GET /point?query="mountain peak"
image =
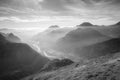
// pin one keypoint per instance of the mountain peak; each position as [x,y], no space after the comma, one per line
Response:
[13,38]
[54,26]
[86,24]
[11,34]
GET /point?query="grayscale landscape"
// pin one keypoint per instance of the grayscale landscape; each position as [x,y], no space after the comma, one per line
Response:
[59,40]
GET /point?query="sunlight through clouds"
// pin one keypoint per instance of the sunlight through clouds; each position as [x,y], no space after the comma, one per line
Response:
[67,11]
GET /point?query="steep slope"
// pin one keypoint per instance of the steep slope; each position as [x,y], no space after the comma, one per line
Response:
[47,38]
[100,49]
[117,24]
[52,33]
[83,34]
[18,60]
[112,30]
[79,38]
[11,37]
[56,64]
[107,70]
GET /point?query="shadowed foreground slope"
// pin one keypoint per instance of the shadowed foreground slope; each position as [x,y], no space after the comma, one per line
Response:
[56,64]
[108,69]
[18,60]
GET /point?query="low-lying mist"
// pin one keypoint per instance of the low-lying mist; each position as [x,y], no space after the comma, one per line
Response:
[78,42]
[82,41]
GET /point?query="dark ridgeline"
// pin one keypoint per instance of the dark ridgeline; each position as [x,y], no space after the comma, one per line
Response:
[56,64]
[79,39]
[54,26]
[90,42]
[86,24]
[117,24]
[18,60]
[108,47]
[93,48]
[11,37]
[99,60]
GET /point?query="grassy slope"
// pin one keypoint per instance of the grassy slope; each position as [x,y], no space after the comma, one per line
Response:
[104,68]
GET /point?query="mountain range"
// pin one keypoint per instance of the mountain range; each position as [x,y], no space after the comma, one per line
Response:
[18,59]
[11,37]
[85,52]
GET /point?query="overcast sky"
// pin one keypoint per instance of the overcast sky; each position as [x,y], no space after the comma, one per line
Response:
[43,13]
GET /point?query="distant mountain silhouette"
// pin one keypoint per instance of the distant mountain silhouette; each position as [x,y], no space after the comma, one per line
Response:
[86,24]
[48,37]
[56,64]
[83,34]
[108,47]
[11,37]
[7,30]
[112,30]
[53,32]
[79,38]
[54,26]
[18,60]
[88,43]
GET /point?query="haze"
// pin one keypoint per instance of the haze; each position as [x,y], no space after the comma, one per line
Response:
[29,18]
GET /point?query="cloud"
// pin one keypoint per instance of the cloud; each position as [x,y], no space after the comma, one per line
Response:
[19,4]
[82,9]
[81,6]
[19,7]
[38,18]
[56,5]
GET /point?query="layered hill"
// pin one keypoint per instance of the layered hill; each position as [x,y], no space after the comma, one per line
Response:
[108,47]
[111,30]
[18,60]
[78,39]
[96,50]
[11,37]
[47,38]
